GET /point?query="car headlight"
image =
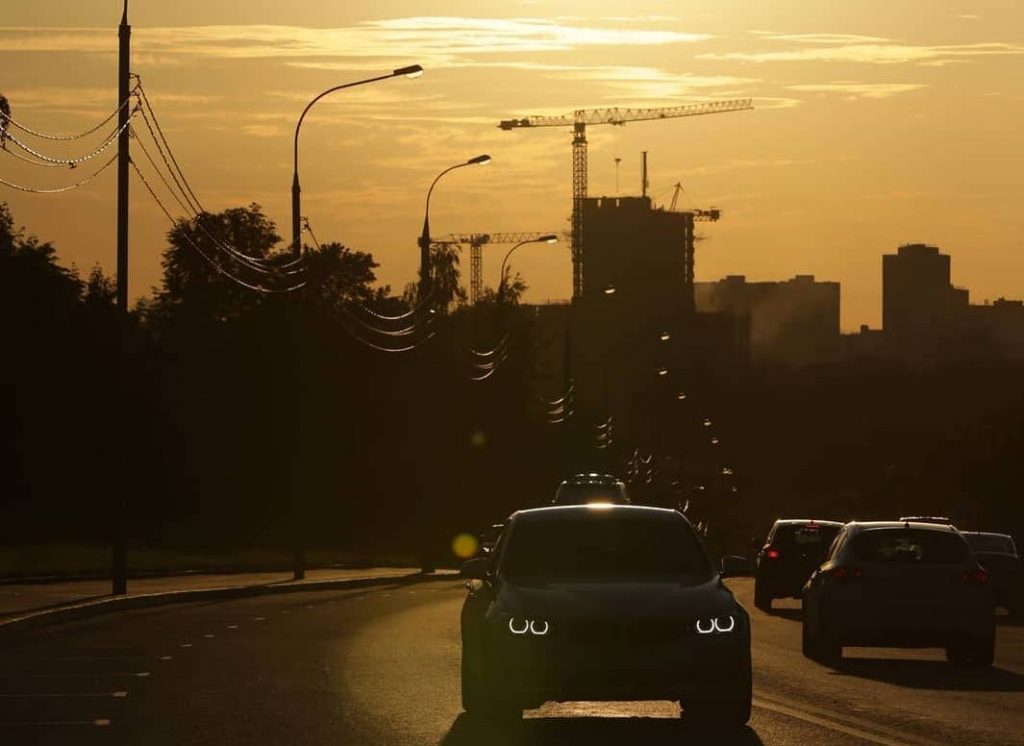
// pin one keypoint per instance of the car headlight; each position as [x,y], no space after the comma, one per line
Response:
[718,625]
[522,626]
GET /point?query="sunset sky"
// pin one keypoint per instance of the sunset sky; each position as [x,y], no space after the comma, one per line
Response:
[877,122]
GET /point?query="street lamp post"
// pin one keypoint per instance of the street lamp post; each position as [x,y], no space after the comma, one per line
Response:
[411,71]
[299,463]
[550,238]
[424,240]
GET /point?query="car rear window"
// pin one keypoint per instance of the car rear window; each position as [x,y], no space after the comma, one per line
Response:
[603,546]
[991,543]
[582,493]
[811,535]
[914,546]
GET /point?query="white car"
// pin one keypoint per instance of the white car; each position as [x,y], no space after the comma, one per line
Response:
[893,584]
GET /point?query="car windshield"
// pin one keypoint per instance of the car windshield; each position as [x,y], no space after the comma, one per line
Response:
[991,543]
[914,546]
[604,546]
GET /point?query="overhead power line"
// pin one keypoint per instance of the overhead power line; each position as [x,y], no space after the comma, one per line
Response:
[59,190]
[10,121]
[74,161]
[210,260]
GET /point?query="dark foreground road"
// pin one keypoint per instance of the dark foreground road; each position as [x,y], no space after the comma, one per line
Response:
[380,666]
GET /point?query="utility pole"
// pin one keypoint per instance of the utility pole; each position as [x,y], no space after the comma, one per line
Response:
[119,569]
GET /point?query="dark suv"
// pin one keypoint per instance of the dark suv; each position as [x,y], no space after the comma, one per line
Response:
[793,550]
[604,602]
[587,488]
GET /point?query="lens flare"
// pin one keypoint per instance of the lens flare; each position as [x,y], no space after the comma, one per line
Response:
[465,546]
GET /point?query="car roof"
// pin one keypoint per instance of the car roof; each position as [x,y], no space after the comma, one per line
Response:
[921,525]
[802,521]
[986,533]
[620,509]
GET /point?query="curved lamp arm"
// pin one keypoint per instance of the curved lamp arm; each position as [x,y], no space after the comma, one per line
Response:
[411,71]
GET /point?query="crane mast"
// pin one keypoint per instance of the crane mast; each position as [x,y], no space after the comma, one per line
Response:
[579,120]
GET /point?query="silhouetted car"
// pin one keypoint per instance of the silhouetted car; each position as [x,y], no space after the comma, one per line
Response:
[997,553]
[586,488]
[890,584]
[490,537]
[604,602]
[793,550]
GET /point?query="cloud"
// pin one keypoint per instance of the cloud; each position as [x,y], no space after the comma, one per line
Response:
[433,40]
[876,53]
[830,39]
[856,90]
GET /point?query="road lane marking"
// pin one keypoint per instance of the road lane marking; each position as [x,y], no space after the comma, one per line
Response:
[166,657]
[209,636]
[232,626]
[186,644]
[99,722]
[79,675]
[68,695]
[844,724]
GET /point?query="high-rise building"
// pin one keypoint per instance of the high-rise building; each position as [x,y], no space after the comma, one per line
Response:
[636,337]
[918,301]
[795,322]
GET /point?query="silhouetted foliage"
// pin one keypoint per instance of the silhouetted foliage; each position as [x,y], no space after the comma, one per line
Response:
[200,404]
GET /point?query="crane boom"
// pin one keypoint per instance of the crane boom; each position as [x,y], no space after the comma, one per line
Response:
[476,242]
[620,116]
[579,120]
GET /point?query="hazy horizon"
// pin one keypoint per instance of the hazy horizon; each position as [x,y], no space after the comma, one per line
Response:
[875,125]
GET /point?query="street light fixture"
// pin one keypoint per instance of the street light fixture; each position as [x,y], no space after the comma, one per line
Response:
[549,238]
[299,552]
[680,396]
[424,241]
[410,71]
[608,290]
[665,337]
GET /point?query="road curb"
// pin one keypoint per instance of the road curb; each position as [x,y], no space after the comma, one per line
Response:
[89,609]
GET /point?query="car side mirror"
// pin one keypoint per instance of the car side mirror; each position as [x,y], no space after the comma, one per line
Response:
[733,566]
[476,568]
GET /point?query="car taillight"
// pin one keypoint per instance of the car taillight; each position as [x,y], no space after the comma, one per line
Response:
[843,574]
[772,554]
[975,577]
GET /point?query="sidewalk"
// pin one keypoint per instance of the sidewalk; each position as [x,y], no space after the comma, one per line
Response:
[21,599]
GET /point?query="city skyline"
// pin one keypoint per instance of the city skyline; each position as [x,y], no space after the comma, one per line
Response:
[884,127]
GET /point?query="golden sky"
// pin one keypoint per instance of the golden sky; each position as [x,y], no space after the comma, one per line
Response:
[878,122]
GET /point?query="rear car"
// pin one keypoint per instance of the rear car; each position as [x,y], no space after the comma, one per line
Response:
[997,553]
[586,488]
[603,602]
[891,584]
[793,550]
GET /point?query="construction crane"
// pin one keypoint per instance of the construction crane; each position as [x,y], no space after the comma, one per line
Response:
[476,243]
[690,238]
[579,120]
[699,216]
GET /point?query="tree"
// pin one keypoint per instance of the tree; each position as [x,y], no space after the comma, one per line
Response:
[446,290]
[336,274]
[199,257]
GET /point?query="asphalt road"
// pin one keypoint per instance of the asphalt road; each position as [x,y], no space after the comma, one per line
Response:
[380,666]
